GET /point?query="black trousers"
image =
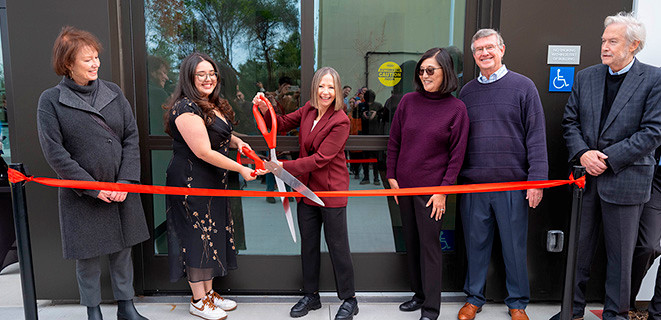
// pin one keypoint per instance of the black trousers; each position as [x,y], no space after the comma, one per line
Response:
[424,255]
[366,166]
[355,167]
[334,220]
[620,228]
[648,248]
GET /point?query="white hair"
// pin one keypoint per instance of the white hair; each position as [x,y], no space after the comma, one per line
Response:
[635,29]
[483,33]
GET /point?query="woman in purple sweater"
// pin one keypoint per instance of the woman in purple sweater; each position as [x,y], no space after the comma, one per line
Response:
[426,148]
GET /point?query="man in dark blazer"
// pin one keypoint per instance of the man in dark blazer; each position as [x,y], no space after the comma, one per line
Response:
[612,125]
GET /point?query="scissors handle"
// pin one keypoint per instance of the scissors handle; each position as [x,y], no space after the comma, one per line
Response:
[270,137]
[259,163]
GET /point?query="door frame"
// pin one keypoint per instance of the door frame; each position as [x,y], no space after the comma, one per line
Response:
[257,273]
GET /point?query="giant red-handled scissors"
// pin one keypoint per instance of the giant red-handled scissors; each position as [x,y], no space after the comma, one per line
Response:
[281,175]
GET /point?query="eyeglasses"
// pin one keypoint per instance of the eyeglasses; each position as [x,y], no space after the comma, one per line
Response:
[430,71]
[203,76]
[489,48]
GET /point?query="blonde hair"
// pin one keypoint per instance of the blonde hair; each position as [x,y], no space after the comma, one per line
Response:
[337,86]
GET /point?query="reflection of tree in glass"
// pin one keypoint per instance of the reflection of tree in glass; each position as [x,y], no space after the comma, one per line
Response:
[163,19]
[222,21]
[265,30]
[264,20]
[287,58]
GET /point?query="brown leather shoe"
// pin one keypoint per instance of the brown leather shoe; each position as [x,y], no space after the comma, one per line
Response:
[468,311]
[518,314]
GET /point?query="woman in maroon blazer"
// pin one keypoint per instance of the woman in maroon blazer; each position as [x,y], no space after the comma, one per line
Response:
[324,129]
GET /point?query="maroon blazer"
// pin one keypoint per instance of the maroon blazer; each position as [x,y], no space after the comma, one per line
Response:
[321,164]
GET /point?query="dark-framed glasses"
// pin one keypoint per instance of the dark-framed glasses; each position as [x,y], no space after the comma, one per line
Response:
[489,48]
[429,70]
[203,75]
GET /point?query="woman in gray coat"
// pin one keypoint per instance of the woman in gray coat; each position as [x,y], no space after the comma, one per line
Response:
[87,132]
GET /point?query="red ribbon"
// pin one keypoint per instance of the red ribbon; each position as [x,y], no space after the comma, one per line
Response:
[580,182]
[16,176]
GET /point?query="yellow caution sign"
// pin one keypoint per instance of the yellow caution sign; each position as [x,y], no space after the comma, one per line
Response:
[390,74]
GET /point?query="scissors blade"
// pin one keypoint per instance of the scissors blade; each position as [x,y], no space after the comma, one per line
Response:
[289,179]
[285,205]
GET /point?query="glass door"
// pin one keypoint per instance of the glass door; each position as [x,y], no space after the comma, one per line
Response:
[270,46]
[374,45]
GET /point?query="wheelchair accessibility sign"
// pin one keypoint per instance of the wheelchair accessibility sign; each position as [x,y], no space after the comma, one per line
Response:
[561,79]
[447,240]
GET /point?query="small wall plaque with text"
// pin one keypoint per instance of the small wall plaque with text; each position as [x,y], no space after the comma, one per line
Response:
[563,54]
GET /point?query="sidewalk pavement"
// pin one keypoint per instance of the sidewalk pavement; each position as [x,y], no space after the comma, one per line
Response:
[373,306]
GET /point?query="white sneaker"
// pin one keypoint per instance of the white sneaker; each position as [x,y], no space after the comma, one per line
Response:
[220,302]
[205,309]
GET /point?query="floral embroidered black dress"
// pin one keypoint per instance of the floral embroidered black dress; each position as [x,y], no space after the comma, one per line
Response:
[200,231]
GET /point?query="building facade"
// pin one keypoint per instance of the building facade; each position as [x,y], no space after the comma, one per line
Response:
[366,41]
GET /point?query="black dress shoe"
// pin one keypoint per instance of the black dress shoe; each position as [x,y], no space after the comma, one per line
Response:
[347,310]
[307,303]
[126,311]
[557,317]
[94,313]
[411,305]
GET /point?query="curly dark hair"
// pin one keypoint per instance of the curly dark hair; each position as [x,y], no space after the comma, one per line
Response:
[186,89]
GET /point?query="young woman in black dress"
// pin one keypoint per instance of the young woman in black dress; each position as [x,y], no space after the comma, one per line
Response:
[200,230]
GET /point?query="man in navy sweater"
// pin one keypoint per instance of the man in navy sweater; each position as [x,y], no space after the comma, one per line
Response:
[506,142]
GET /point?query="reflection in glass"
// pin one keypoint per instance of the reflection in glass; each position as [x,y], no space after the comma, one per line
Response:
[4,124]
[159,90]
[159,164]
[258,47]
[256,43]
[375,52]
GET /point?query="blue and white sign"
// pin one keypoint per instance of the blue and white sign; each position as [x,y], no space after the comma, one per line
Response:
[447,240]
[561,79]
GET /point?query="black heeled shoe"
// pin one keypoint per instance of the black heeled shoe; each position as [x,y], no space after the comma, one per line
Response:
[94,313]
[126,311]
[307,303]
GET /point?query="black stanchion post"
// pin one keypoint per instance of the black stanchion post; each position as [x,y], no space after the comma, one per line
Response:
[572,247]
[23,243]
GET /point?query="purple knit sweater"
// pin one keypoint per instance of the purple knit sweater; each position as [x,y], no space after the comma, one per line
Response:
[427,140]
[507,140]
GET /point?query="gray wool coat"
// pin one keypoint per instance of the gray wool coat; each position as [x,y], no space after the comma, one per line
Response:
[79,148]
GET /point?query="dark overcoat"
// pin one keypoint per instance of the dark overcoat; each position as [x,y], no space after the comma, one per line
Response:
[79,148]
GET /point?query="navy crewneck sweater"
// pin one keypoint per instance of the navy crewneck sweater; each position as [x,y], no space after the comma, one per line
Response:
[427,141]
[507,139]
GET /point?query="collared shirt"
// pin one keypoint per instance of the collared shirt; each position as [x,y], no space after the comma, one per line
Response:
[624,70]
[501,72]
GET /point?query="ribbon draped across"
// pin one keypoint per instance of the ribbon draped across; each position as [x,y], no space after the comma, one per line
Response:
[16,177]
